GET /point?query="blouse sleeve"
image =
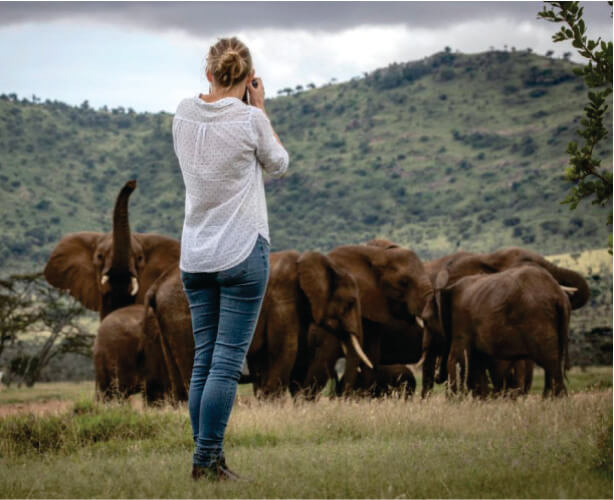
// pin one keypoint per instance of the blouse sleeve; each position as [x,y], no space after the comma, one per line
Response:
[270,153]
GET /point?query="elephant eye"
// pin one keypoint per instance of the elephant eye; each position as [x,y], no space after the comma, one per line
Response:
[99,256]
[140,258]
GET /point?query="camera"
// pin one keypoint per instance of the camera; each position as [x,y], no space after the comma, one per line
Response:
[246,95]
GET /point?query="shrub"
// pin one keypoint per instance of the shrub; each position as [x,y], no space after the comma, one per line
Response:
[537,93]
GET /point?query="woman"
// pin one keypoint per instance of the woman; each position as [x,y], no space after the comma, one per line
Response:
[223,145]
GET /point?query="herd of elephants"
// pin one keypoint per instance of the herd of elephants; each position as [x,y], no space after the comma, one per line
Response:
[478,321]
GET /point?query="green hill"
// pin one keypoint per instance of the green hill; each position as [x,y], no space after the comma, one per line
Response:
[453,150]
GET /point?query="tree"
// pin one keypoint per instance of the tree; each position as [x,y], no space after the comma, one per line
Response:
[58,314]
[584,169]
[16,314]
[29,302]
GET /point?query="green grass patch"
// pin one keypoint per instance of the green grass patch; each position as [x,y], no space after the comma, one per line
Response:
[331,448]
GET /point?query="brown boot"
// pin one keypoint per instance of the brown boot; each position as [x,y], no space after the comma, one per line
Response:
[217,471]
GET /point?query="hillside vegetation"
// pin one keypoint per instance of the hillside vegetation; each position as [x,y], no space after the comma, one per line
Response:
[451,151]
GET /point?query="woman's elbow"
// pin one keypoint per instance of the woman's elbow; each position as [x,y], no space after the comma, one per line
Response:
[279,167]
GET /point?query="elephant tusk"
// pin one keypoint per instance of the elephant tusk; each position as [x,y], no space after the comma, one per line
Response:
[420,321]
[569,289]
[135,286]
[104,279]
[360,352]
[421,360]
[344,349]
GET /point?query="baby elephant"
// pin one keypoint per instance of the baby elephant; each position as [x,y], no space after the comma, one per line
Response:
[521,313]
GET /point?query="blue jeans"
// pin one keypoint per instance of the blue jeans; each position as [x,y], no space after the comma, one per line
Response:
[224,306]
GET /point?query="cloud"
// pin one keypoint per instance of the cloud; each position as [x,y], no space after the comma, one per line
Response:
[148,56]
[206,19]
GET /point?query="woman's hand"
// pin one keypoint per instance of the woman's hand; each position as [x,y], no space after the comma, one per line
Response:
[256,93]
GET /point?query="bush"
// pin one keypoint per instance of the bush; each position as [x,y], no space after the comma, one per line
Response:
[537,93]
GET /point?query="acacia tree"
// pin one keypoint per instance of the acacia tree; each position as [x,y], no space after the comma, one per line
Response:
[28,303]
[16,312]
[585,170]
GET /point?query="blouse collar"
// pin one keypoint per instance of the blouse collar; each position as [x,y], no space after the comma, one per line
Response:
[220,103]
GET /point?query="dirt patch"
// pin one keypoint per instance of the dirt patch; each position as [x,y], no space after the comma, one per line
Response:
[38,408]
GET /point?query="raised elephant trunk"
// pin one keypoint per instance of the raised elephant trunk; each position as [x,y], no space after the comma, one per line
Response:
[571,279]
[121,230]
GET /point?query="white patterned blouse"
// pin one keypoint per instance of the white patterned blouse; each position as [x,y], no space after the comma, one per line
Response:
[222,148]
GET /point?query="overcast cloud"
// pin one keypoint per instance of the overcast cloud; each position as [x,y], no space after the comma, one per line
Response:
[209,18]
[147,55]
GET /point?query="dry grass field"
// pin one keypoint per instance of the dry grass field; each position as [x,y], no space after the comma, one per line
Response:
[586,262]
[437,448]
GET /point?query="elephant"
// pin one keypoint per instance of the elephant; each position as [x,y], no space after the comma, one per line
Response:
[386,379]
[307,296]
[106,271]
[125,361]
[463,264]
[518,313]
[394,289]
[167,318]
[115,354]
[110,273]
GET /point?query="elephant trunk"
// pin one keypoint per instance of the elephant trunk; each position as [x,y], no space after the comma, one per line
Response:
[569,278]
[121,230]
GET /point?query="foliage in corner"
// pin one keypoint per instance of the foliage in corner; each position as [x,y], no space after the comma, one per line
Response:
[585,167]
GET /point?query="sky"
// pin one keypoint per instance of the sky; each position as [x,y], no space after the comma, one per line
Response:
[149,55]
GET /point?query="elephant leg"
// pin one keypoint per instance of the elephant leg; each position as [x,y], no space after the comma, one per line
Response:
[458,361]
[547,383]
[321,366]
[528,376]
[559,383]
[428,373]
[497,375]
[478,379]
[282,334]
[373,349]
[554,383]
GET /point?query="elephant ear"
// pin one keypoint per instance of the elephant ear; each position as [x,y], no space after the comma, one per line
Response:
[159,253]
[71,267]
[314,276]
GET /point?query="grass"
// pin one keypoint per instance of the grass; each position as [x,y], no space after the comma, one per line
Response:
[48,391]
[438,448]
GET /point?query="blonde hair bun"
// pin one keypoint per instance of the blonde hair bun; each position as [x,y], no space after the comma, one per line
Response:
[229,61]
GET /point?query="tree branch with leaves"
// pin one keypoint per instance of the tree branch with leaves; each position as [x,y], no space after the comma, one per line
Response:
[591,178]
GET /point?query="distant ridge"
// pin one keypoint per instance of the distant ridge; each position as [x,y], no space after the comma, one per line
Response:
[454,150]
